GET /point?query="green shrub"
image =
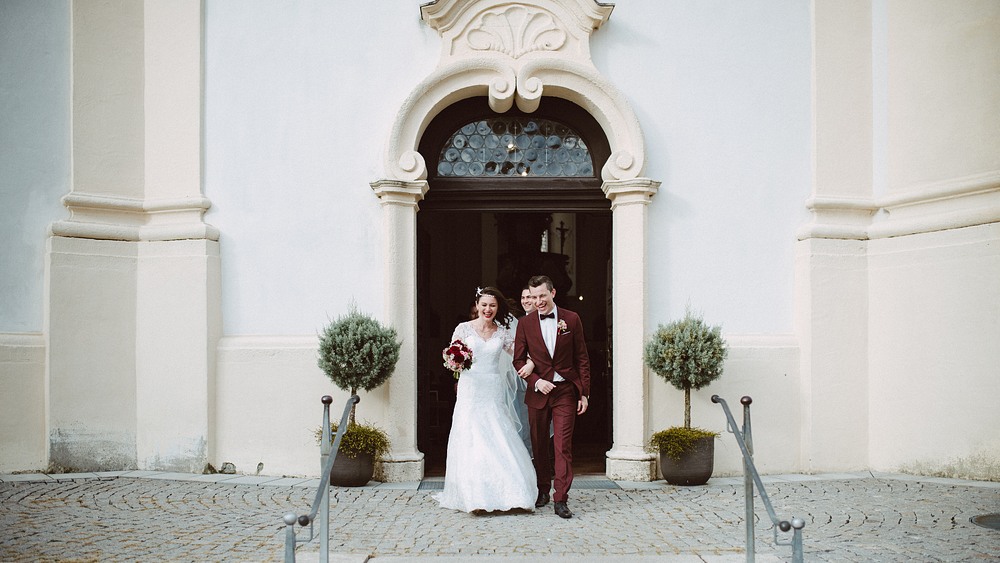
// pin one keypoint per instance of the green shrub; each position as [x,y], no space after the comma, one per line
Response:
[677,440]
[357,352]
[359,438]
[687,354]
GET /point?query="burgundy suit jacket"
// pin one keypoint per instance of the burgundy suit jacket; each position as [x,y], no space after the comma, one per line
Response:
[570,358]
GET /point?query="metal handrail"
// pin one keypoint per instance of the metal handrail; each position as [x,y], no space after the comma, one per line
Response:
[328,455]
[752,477]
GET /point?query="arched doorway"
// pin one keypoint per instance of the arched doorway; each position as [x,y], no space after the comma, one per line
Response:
[512,195]
[487,53]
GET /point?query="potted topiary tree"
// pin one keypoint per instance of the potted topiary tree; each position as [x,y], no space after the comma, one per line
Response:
[687,354]
[357,352]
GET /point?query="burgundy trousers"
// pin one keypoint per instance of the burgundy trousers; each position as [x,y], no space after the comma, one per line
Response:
[561,411]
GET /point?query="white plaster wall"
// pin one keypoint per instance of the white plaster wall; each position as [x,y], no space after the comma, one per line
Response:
[935,348]
[832,303]
[109,133]
[22,402]
[34,174]
[766,368]
[177,325]
[298,107]
[269,389]
[91,354]
[722,92]
[268,406]
[34,150]
[295,125]
[944,111]
[934,298]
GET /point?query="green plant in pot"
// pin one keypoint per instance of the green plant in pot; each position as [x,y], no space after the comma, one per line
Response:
[360,446]
[687,354]
[358,353]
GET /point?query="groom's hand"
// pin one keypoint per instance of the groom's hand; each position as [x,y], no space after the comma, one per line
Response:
[544,387]
[581,405]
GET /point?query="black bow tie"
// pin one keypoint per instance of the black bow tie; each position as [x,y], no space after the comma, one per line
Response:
[549,316]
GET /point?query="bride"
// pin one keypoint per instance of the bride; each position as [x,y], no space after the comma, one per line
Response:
[488,467]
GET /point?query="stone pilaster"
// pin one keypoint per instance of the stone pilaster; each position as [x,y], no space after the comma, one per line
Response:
[133,284]
[831,255]
[399,235]
[628,459]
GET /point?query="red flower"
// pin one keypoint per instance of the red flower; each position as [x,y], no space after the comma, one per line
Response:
[457,357]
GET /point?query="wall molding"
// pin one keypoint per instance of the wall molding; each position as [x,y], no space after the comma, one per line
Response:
[132,219]
[250,347]
[761,340]
[938,206]
[954,203]
[838,217]
[22,347]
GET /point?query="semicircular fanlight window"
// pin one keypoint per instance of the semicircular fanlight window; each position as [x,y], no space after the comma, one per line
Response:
[515,146]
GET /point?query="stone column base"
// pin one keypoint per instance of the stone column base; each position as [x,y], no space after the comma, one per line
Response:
[400,470]
[631,469]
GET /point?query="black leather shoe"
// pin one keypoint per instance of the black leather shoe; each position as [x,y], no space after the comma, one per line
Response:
[542,500]
[562,510]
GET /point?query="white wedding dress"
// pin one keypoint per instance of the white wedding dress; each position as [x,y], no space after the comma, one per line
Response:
[488,467]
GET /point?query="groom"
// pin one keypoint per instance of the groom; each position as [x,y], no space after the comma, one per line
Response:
[558,389]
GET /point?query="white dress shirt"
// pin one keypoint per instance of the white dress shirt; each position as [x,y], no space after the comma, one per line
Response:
[549,327]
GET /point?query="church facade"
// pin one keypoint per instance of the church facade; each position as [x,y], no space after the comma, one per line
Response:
[192,189]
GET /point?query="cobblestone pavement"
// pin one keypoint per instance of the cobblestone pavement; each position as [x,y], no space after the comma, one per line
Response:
[146,516]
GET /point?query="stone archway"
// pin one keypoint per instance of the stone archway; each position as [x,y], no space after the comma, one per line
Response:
[512,53]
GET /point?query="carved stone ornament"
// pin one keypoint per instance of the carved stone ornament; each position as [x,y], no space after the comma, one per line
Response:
[515,31]
[516,52]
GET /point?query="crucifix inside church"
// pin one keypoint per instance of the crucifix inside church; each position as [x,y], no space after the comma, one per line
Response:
[562,236]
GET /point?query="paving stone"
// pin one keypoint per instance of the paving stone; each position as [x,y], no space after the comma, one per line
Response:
[128,516]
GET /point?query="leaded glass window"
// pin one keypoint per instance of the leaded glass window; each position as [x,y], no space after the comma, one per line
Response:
[515,146]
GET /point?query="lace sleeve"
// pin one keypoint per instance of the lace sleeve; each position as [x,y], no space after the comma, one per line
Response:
[462,332]
[508,336]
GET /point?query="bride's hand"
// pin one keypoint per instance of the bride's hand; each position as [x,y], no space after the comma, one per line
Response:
[526,370]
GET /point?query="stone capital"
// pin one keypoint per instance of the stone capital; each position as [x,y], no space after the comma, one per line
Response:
[635,190]
[399,192]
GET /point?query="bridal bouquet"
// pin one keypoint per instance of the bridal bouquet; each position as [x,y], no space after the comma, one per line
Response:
[457,357]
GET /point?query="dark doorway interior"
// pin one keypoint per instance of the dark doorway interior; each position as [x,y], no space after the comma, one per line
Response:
[461,250]
[511,196]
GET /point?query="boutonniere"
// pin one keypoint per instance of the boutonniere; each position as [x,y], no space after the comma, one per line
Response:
[563,329]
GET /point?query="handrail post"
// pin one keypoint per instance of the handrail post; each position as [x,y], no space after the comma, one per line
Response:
[748,465]
[797,525]
[328,452]
[748,481]
[324,503]
[290,520]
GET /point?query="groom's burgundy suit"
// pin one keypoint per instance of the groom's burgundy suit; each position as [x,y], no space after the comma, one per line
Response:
[570,360]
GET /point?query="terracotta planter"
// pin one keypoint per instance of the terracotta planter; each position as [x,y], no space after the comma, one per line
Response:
[352,471]
[694,467]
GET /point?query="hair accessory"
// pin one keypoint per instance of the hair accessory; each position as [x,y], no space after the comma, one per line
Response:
[479,292]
